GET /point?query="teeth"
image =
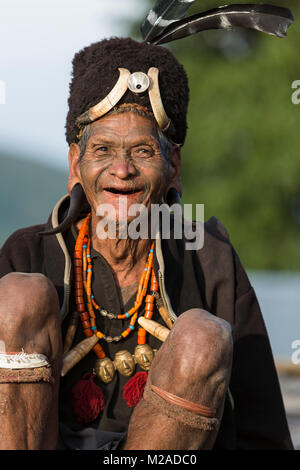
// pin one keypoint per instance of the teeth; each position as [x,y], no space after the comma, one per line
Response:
[120,191]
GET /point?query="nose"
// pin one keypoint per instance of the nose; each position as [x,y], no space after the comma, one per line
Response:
[123,168]
[145,359]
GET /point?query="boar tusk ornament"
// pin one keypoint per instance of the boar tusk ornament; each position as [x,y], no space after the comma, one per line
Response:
[137,82]
[156,329]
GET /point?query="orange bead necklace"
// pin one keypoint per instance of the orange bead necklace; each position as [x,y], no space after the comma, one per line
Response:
[83,271]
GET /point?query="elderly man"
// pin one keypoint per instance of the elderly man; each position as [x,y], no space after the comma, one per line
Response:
[79,369]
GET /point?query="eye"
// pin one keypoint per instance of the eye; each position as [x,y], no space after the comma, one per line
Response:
[102,148]
[142,151]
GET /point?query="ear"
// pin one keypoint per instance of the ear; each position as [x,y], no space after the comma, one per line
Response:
[74,172]
[174,180]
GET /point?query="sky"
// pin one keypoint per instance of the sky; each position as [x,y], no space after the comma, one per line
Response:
[38,40]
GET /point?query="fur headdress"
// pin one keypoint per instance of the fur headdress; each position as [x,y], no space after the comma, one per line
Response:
[95,72]
[96,68]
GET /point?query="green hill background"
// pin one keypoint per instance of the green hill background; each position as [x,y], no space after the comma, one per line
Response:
[28,192]
[241,158]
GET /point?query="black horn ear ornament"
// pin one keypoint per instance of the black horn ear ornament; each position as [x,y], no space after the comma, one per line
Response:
[172,197]
[77,203]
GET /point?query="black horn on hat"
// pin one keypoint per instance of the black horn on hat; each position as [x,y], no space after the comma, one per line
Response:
[96,68]
[165,22]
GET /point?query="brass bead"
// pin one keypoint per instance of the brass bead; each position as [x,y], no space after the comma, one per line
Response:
[144,355]
[124,363]
[117,338]
[105,369]
[108,339]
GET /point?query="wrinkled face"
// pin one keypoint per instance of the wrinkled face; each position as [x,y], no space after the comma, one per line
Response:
[123,164]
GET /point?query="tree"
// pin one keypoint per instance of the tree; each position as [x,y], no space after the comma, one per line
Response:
[241,157]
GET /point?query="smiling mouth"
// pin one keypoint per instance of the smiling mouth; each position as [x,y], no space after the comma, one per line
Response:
[123,192]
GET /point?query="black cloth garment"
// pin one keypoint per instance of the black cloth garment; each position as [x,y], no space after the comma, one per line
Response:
[116,413]
[212,278]
[88,439]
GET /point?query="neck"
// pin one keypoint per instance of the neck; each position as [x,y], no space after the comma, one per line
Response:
[126,257]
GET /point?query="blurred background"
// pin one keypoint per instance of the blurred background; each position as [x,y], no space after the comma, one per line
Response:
[241,157]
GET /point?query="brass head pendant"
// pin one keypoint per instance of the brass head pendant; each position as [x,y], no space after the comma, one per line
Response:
[124,362]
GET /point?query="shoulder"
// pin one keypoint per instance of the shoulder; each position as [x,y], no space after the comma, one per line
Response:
[215,240]
[24,236]
[219,258]
[214,229]
[21,249]
[30,236]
